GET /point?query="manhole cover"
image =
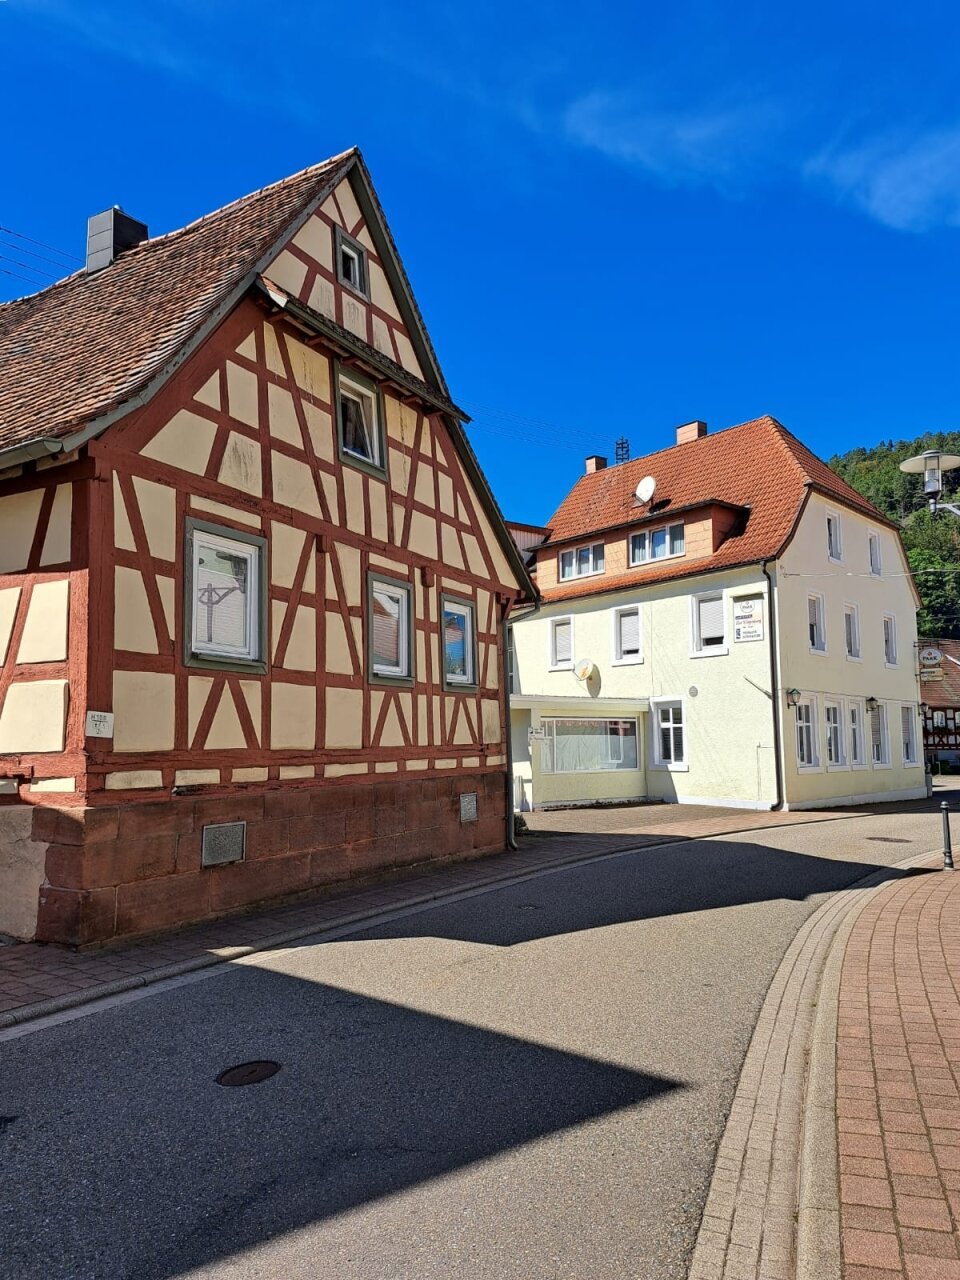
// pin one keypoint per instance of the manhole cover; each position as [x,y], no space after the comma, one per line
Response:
[247,1073]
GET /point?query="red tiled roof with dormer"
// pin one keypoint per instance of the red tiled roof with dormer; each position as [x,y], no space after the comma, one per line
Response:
[758,466]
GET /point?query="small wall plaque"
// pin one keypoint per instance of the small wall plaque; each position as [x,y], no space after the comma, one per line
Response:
[99,724]
[468,806]
[223,842]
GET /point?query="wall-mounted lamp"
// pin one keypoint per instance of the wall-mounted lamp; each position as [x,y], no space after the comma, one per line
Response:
[872,705]
[793,697]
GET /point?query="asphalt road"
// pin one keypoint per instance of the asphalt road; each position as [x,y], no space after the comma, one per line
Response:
[526,1083]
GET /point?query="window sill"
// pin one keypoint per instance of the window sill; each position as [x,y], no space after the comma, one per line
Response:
[809,768]
[563,666]
[626,662]
[456,686]
[837,768]
[575,577]
[861,765]
[835,559]
[714,651]
[671,768]
[821,653]
[911,764]
[645,564]
[891,666]
[404,682]
[211,662]
[362,464]
[854,657]
[886,765]
[570,773]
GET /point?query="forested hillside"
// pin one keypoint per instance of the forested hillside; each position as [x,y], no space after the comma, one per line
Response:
[932,542]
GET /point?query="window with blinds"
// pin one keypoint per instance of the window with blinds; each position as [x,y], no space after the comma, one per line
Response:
[626,634]
[908,725]
[708,623]
[669,739]
[878,735]
[807,753]
[818,635]
[561,642]
[851,629]
[855,711]
[835,752]
[890,640]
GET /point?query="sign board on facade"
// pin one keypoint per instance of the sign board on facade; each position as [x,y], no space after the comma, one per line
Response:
[748,618]
[932,673]
[536,735]
[930,657]
[468,806]
[99,724]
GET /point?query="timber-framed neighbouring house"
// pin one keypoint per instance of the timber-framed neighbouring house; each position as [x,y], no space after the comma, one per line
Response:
[253,583]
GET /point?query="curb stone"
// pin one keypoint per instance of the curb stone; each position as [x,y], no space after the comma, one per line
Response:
[772,1211]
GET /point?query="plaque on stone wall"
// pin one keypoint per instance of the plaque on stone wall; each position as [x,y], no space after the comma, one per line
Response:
[468,806]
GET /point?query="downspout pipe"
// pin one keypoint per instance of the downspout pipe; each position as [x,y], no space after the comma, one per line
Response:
[774,689]
[508,723]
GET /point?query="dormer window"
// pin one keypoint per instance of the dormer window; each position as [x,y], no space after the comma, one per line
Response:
[656,544]
[351,263]
[582,562]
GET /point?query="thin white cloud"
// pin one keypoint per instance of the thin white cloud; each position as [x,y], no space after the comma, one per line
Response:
[908,182]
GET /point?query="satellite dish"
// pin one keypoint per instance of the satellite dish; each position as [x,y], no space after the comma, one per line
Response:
[584,669]
[646,488]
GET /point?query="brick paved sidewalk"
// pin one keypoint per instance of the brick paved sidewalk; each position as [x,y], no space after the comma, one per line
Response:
[898,1067]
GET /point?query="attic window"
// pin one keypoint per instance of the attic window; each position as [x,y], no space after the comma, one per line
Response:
[351,263]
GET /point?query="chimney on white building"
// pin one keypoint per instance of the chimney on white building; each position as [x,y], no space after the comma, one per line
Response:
[595,463]
[691,431]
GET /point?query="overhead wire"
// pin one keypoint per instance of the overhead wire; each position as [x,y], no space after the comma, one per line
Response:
[40,243]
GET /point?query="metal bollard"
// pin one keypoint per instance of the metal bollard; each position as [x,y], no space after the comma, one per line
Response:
[947,845]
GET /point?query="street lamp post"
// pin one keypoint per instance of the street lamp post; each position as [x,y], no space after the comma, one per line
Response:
[931,465]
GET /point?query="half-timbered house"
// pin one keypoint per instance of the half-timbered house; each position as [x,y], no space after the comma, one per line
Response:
[253,583]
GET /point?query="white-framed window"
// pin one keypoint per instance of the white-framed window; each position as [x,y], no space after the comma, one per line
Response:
[390,629]
[876,563]
[627,646]
[225,595]
[352,263]
[360,430]
[889,639]
[581,562]
[808,746]
[879,737]
[851,630]
[579,745]
[669,743]
[561,642]
[459,643]
[908,730]
[656,544]
[815,623]
[858,755]
[833,722]
[834,543]
[709,625]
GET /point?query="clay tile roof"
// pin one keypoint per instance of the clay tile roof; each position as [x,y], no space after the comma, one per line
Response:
[89,343]
[945,692]
[757,465]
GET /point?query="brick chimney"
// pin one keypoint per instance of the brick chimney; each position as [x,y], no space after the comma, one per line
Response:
[691,431]
[595,463]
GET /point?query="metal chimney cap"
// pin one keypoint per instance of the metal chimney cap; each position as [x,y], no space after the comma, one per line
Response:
[109,233]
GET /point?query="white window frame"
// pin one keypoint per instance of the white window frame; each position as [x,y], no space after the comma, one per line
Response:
[889,617]
[834,535]
[361,391]
[697,648]
[855,707]
[619,659]
[576,571]
[876,569]
[644,538]
[835,735]
[548,722]
[468,612]
[852,610]
[656,755]
[552,662]
[808,703]
[884,721]
[821,622]
[252,552]
[913,761]
[403,593]
[354,250]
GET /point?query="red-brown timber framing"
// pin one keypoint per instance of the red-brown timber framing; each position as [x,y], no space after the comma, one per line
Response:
[335,773]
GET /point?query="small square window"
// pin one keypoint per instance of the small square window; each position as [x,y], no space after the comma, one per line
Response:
[359,426]
[626,635]
[224,596]
[561,642]
[709,624]
[391,629]
[351,263]
[459,643]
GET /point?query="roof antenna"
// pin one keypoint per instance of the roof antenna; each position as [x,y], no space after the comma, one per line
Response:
[623,449]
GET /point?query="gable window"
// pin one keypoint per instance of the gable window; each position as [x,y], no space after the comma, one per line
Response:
[359,422]
[225,597]
[857,753]
[833,716]
[656,544]
[851,630]
[817,631]
[890,640]
[708,624]
[808,752]
[876,565]
[834,545]
[626,635]
[588,746]
[561,642]
[879,742]
[669,745]
[908,726]
[459,643]
[351,263]
[581,562]
[390,623]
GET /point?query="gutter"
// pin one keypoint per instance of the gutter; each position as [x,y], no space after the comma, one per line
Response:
[774,689]
[508,724]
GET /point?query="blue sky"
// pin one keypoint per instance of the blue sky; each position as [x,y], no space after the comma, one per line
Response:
[616,217]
